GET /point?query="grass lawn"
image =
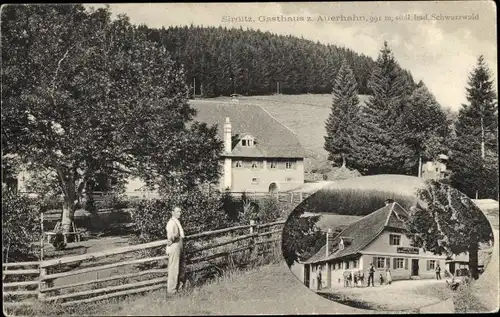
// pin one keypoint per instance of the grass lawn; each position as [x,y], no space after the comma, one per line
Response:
[334,221]
[399,184]
[270,289]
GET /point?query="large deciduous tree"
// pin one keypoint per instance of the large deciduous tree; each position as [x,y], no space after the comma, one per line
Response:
[83,92]
[446,221]
[474,160]
[343,119]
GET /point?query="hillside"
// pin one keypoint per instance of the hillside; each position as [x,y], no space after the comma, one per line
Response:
[222,61]
[303,114]
[271,289]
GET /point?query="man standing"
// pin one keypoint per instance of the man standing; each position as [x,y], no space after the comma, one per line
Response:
[371,274]
[438,272]
[175,235]
[319,280]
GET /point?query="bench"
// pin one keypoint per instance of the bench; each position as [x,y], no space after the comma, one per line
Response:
[52,233]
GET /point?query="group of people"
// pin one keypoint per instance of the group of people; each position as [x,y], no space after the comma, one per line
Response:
[383,280]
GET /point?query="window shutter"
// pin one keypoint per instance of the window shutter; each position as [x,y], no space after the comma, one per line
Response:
[438,263]
[375,262]
[394,263]
[388,262]
[406,264]
[428,265]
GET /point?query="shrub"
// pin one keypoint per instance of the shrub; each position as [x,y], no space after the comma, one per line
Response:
[112,201]
[232,207]
[269,209]
[200,212]
[20,227]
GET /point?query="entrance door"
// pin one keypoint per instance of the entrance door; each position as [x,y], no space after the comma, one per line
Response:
[273,188]
[452,267]
[307,274]
[414,267]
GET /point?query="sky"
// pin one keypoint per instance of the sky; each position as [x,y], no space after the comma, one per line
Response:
[440,52]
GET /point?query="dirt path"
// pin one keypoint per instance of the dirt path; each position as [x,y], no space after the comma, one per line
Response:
[399,296]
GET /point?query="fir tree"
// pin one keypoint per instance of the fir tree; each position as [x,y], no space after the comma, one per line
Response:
[423,126]
[475,149]
[344,116]
[379,148]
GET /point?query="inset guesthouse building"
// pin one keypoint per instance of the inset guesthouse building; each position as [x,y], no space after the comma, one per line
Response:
[377,238]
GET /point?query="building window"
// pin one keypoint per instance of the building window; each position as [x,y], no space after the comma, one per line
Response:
[431,264]
[355,264]
[288,165]
[255,180]
[400,262]
[394,239]
[255,164]
[380,262]
[238,164]
[347,265]
[273,164]
[248,142]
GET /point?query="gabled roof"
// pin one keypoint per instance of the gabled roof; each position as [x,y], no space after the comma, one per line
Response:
[272,138]
[363,231]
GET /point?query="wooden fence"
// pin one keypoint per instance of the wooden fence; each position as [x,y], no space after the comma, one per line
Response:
[20,283]
[138,268]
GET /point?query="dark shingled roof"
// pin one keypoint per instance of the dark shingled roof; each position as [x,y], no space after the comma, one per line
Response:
[362,232]
[272,139]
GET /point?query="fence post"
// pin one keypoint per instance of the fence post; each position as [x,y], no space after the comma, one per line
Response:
[252,242]
[42,237]
[42,284]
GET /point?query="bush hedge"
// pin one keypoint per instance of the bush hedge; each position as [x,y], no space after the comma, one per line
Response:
[20,227]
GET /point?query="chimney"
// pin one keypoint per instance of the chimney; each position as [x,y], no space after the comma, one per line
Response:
[388,201]
[227,136]
[328,234]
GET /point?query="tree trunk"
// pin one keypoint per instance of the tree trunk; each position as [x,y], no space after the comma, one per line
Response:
[482,138]
[473,261]
[343,160]
[419,165]
[68,214]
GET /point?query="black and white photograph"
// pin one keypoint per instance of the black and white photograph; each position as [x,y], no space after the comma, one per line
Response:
[366,243]
[249,158]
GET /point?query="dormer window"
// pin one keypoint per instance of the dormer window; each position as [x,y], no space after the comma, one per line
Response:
[247,141]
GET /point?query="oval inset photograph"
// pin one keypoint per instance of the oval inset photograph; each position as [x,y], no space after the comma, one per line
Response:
[391,243]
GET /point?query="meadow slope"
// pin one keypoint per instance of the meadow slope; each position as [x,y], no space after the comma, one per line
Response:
[303,114]
[271,289]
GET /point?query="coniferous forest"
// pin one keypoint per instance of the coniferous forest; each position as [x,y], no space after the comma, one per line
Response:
[221,61]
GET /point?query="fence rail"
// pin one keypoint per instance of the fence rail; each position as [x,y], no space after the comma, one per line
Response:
[222,243]
[14,290]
